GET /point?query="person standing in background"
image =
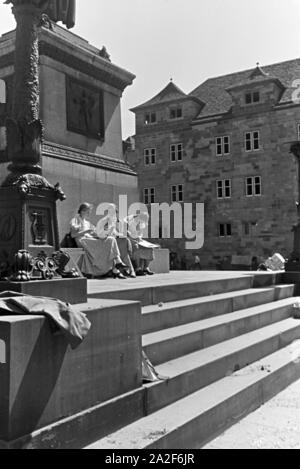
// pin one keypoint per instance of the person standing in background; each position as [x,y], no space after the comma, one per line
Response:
[197,263]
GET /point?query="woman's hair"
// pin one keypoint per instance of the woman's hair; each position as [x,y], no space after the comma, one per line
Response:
[143,216]
[85,207]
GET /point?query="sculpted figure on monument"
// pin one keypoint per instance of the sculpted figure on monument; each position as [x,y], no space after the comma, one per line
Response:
[62,10]
[57,10]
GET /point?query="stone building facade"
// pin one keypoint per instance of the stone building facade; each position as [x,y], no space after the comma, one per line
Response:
[226,144]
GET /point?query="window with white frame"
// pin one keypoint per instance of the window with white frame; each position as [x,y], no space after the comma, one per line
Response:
[176,152]
[150,118]
[177,193]
[225,230]
[252,141]
[224,189]
[150,156]
[223,145]
[253,186]
[176,113]
[149,195]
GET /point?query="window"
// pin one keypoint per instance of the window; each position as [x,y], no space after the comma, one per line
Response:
[176,113]
[3,112]
[252,98]
[252,141]
[3,141]
[256,97]
[249,228]
[248,98]
[149,196]
[225,230]
[253,186]
[176,152]
[2,93]
[149,156]
[177,193]
[224,189]
[223,145]
[150,118]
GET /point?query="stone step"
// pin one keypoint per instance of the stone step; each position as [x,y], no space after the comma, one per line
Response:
[157,289]
[172,314]
[192,372]
[186,375]
[196,419]
[169,344]
[264,279]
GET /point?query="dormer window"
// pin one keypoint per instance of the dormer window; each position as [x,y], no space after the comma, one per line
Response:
[150,118]
[252,98]
[176,113]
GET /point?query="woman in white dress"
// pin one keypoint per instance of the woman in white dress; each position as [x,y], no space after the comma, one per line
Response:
[111,225]
[143,252]
[102,255]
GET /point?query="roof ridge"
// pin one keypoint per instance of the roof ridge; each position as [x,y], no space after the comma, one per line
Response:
[170,89]
[242,71]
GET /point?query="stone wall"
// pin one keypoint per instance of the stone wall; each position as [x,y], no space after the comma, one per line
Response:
[273,214]
[82,183]
[54,112]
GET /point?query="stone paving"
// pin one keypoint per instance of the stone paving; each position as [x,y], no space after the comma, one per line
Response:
[276,425]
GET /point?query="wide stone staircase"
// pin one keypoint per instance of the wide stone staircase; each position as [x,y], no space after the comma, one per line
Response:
[223,349]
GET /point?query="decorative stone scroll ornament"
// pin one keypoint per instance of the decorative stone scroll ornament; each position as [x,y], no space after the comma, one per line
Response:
[26,183]
[42,267]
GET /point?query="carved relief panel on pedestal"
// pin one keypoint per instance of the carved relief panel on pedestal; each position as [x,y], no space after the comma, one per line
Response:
[85,110]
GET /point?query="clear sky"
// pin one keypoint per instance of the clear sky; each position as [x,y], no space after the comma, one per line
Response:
[188,40]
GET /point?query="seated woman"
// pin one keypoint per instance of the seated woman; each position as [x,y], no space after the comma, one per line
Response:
[143,252]
[110,226]
[102,256]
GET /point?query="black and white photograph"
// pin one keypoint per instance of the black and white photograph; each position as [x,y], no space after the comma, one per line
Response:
[149,227]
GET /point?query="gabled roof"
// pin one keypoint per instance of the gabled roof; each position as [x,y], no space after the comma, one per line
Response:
[170,93]
[258,72]
[257,76]
[218,100]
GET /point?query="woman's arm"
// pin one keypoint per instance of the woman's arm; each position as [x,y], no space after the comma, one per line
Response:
[76,230]
[106,227]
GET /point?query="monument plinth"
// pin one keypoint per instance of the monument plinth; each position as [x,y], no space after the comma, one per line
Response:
[29,238]
[80,107]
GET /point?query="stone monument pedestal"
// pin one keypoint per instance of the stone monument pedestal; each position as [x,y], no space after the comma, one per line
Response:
[28,221]
[70,290]
[44,383]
